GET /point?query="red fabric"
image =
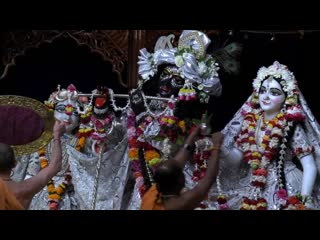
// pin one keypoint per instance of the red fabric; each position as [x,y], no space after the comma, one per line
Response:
[19,125]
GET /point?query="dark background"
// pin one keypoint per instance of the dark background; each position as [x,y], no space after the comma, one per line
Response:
[38,72]
[301,55]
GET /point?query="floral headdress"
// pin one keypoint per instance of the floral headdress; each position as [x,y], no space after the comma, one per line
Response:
[191,59]
[273,145]
[288,83]
[279,71]
[70,94]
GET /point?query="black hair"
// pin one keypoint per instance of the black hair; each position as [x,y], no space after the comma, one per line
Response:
[168,177]
[279,80]
[285,140]
[7,158]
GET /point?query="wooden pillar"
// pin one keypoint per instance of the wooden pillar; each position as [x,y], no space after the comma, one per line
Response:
[136,42]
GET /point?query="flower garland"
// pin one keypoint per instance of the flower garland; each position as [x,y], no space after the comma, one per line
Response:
[55,193]
[133,153]
[152,156]
[272,143]
[259,157]
[200,157]
[170,126]
[99,132]
[85,130]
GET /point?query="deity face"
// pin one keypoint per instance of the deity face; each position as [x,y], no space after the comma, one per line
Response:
[170,82]
[67,112]
[271,96]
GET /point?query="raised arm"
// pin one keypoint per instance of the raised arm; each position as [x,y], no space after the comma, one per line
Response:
[185,152]
[31,186]
[189,200]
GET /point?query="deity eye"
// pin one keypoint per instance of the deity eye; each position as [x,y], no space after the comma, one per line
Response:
[167,71]
[165,75]
[263,90]
[179,80]
[60,108]
[75,112]
[275,92]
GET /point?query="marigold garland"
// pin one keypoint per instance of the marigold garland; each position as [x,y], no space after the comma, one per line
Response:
[55,193]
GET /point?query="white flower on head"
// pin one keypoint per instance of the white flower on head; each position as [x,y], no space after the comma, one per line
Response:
[276,70]
[202,68]
[179,61]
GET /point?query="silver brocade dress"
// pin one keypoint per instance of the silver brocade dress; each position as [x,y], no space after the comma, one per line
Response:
[110,181]
[235,182]
[30,166]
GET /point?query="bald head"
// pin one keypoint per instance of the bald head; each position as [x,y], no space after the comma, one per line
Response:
[7,159]
[169,177]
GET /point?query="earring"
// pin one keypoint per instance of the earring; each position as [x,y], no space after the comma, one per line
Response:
[12,173]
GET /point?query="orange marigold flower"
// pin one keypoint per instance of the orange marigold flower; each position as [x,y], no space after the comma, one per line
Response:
[133,153]
[42,152]
[60,190]
[51,188]
[54,196]
[151,154]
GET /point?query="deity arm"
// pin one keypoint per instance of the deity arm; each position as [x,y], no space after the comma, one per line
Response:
[309,174]
[232,157]
[304,152]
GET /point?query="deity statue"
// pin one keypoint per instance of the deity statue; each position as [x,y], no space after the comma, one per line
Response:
[270,155]
[186,76]
[100,172]
[59,193]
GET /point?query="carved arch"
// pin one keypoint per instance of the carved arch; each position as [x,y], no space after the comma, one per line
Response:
[110,44]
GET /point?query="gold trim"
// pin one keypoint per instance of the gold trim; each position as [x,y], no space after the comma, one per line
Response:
[183,43]
[42,111]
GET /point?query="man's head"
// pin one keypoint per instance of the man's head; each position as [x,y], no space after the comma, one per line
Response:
[169,178]
[7,158]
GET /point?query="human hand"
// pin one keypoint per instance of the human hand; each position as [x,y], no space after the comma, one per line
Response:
[194,135]
[58,129]
[217,139]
